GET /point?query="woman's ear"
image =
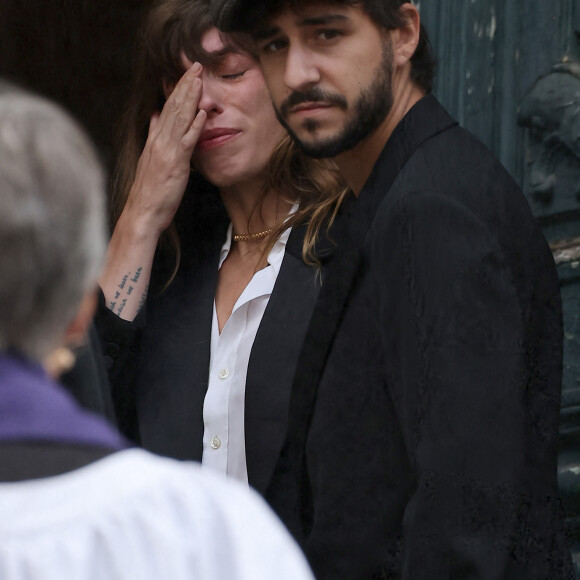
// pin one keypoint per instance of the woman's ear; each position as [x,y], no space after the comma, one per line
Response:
[406,38]
[62,358]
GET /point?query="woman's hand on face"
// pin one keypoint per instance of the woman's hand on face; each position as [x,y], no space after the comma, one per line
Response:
[160,181]
[164,166]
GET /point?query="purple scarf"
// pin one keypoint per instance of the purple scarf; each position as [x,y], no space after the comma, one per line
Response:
[35,408]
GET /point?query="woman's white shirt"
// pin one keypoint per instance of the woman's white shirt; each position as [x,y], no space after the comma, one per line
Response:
[224,443]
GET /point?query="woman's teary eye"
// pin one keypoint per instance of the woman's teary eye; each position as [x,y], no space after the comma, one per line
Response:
[233,76]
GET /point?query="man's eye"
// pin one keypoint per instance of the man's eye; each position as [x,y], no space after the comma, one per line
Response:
[274,46]
[232,76]
[328,34]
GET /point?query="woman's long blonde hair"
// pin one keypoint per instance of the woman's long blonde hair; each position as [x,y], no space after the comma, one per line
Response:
[173,27]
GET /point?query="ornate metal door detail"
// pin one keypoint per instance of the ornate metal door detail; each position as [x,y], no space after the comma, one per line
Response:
[551,112]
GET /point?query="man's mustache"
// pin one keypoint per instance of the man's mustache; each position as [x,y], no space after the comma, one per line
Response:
[314,95]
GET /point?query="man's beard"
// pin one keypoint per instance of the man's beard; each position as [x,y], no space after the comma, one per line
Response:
[370,110]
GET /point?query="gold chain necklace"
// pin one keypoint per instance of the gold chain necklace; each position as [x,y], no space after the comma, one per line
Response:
[248,237]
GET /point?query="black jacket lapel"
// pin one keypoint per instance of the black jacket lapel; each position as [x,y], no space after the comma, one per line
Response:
[273,362]
[338,279]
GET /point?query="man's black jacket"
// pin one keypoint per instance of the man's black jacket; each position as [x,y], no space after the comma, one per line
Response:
[425,408]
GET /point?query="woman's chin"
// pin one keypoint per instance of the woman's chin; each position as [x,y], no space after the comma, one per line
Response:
[225,179]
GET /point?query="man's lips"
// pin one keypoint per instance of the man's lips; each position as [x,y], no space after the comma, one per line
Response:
[310,108]
[215,137]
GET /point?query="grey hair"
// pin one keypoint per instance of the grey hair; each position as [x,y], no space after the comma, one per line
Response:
[52,223]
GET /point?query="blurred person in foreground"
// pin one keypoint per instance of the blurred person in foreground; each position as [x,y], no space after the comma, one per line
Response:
[75,501]
[87,378]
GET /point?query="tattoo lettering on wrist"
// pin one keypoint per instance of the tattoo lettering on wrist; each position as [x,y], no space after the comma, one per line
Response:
[122,297]
[137,274]
[143,297]
[121,306]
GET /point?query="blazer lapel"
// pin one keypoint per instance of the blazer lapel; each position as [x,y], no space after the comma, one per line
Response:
[339,276]
[273,362]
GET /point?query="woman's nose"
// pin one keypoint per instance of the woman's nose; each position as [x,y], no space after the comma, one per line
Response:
[210,100]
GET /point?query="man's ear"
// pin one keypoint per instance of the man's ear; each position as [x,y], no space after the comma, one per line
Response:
[78,328]
[406,38]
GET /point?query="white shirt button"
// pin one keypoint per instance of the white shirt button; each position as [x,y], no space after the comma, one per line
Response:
[216,443]
[224,374]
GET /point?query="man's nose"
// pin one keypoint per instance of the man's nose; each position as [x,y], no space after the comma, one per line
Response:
[301,69]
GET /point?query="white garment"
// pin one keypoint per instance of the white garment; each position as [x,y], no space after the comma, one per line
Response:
[135,516]
[224,444]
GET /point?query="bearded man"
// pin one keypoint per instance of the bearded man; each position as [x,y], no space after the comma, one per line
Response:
[424,415]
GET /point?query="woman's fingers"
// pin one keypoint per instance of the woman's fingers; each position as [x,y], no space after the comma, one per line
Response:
[190,139]
[181,106]
[164,166]
[153,122]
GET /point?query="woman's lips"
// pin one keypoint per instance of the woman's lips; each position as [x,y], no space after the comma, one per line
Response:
[215,137]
